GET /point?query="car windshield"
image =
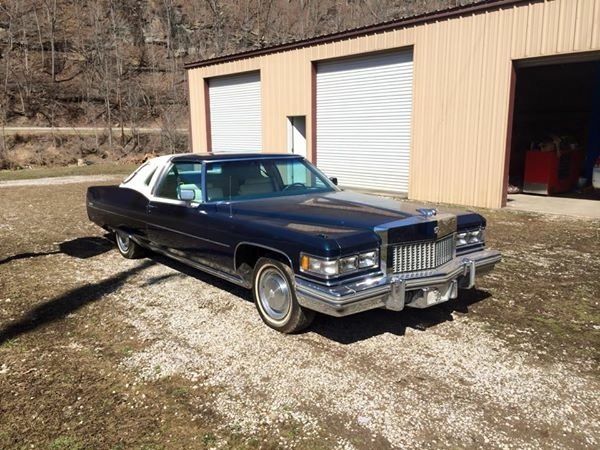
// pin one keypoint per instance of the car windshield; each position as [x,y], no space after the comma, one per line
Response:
[261,178]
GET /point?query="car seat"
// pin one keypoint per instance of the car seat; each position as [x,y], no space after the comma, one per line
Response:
[259,185]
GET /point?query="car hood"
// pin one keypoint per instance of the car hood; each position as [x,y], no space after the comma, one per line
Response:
[343,222]
[337,209]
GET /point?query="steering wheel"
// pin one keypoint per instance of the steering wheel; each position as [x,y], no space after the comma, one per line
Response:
[294,185]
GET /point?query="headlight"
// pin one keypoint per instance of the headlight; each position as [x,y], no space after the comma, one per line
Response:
[368,259]
[327,268]
[321,266]
[470,237]
[348,264]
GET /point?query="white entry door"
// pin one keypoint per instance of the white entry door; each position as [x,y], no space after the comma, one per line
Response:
[235,113]
[297,135]
[364,113]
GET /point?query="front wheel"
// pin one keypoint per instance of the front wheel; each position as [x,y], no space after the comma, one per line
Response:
[275,297]
[127,247]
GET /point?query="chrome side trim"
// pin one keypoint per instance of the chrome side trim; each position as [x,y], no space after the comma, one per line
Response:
[254,244]
[196,265]
[189,235]
[93,206]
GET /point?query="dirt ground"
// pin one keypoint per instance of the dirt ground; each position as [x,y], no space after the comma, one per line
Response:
[101,352]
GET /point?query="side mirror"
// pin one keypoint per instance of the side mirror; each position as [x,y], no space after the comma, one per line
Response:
[334,180]
[187,195]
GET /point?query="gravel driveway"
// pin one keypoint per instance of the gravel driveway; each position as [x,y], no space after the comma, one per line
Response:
[51,181]
[458,375]
[382,375]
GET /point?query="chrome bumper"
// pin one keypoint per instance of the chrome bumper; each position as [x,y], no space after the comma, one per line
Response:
[395,291]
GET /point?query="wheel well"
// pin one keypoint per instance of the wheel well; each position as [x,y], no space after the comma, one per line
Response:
[249,254]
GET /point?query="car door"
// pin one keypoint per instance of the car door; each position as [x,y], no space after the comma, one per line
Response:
[186,228]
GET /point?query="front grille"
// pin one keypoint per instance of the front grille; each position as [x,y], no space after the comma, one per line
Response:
[422,255]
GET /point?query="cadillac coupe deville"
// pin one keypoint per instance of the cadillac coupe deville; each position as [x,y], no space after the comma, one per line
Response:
[277,225]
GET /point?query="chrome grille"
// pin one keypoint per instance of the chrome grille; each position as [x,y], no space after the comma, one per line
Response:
[422,255]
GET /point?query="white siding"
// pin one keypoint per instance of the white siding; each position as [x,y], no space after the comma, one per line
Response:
[364,113]
[235,113]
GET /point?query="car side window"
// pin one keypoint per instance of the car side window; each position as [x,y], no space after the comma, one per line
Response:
[238,179]
[181,176]
[293,173]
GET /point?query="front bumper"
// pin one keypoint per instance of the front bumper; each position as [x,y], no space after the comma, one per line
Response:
[395,291]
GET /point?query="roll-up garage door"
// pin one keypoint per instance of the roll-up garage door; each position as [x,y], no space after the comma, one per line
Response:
[364,110]
[235,113]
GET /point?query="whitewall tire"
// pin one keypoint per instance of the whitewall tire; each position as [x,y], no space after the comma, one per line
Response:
[275,297]
[127,247]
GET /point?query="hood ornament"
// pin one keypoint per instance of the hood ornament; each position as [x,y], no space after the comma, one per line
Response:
[427,212]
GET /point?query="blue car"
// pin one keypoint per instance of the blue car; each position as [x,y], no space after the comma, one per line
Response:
[275,224]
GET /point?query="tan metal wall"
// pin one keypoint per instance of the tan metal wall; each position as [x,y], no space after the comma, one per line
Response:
[462,70]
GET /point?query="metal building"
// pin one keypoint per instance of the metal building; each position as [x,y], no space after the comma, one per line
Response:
[422,106]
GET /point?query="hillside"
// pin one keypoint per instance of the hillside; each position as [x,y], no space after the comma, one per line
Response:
[120,63]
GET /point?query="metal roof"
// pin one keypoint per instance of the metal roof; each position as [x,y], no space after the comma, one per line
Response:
[483,5]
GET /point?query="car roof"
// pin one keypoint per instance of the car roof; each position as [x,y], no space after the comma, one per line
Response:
[230,156]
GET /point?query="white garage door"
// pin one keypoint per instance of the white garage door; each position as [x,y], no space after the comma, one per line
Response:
[364,109]
[235,113]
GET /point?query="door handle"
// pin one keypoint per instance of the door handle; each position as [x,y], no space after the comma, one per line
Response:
[150,207]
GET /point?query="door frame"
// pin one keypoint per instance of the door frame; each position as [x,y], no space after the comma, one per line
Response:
[291,128]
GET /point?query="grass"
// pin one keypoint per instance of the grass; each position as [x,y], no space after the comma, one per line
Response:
[44,172]
[209,439]
[9,343]
[65,443]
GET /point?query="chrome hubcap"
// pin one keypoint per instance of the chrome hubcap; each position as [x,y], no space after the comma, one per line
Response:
[274,294]
[123,242]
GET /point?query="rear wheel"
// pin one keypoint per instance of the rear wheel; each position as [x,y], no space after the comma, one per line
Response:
[275,297]
[127,247]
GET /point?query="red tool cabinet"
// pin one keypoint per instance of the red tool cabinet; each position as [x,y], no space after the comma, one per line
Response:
[550,173]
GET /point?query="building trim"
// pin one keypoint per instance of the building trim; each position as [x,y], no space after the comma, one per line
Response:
[313,112]
[189,98]
[509,131]
[484,5]
[207,115]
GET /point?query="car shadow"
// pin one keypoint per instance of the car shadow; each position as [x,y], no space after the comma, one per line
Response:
[82,248]
[67,303]
[368,324]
